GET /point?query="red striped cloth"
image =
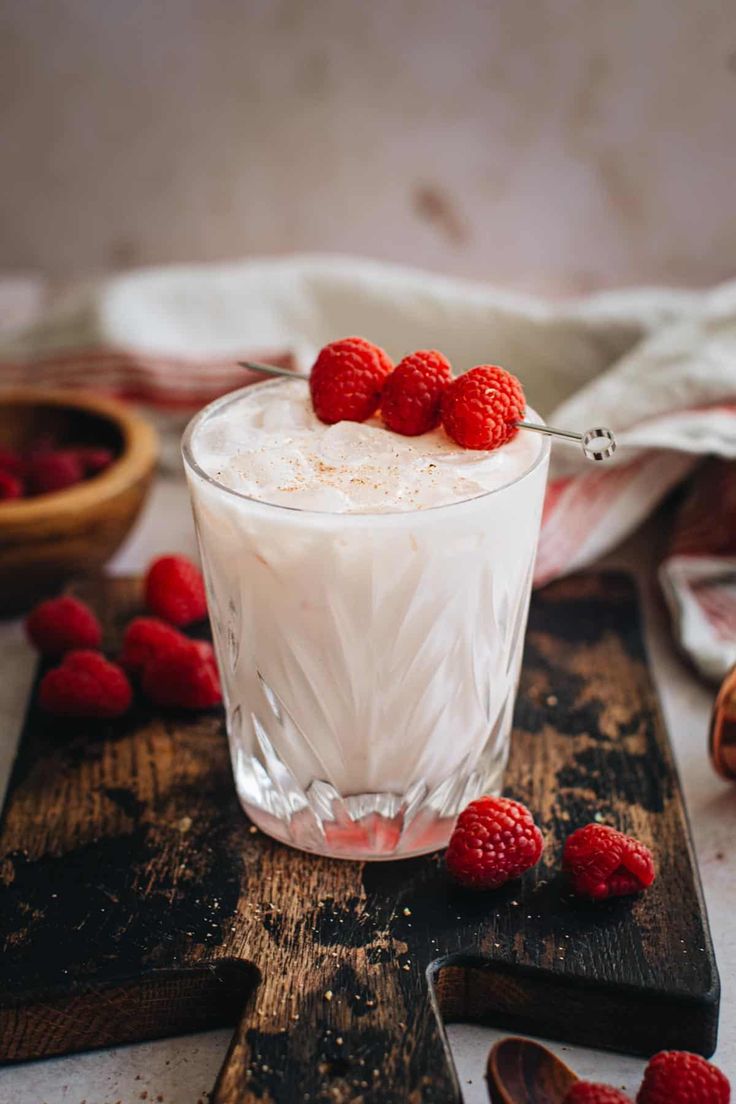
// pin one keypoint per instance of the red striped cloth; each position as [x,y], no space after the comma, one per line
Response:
[585,513]
[698,575]
[164,382]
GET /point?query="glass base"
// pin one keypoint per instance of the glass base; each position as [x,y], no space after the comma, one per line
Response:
[374,839]
[364,827]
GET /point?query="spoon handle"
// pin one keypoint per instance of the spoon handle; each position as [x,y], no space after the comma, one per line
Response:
[596,444]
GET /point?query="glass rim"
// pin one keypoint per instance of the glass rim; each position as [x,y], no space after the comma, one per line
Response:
[350,518]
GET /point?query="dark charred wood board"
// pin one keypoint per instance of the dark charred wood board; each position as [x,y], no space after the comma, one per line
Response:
[136,901]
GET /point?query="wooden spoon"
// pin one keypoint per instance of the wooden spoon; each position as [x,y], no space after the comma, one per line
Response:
[522,1072]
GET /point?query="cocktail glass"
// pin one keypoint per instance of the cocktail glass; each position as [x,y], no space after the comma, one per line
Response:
[369,662]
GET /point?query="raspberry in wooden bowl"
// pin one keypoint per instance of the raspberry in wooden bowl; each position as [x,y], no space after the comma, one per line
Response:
[75,470]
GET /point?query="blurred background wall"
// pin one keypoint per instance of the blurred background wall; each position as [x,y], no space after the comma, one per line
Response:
[553,145]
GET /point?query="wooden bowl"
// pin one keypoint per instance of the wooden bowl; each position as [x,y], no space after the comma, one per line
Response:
[48,539]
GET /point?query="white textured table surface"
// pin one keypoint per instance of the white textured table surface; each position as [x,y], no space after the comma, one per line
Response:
[181,1071]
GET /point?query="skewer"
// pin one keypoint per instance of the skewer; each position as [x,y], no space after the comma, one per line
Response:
[597,444]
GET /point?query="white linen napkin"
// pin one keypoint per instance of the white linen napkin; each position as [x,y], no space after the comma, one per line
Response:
[658,366]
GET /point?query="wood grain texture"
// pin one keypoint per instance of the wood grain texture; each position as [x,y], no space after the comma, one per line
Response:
[136,900]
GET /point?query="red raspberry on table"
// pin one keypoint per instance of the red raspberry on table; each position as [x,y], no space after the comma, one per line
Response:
[205,649]
[85,685]
[675,1077]
[146,638]
[53,471]
[495,839]
[185,677]
[60,625]
[174,590]
[10,486]
[480,407]
[347,379]
[412,393]
[603,862]
[589,1092]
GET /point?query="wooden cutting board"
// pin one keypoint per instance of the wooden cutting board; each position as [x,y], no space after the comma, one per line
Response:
[136,900]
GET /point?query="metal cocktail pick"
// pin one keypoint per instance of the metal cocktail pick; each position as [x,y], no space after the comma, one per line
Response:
[597,444]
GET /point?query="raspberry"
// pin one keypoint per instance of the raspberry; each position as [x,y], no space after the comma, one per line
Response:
[603,862]
[53,471]
[412,394]
[675,1077]
[480,407]
[347,379]
[587,1092]
[85,685]
[185,677]
[44,443]
[205,651]
[10,486]
[62,624]
[174,590]
[93,459]
[146,638]
[495,839]
[11,461]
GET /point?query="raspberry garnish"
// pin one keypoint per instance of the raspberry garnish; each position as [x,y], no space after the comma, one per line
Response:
[53,471]
[85,685]
[347,379]
[589,1092]
[185,677]
[174,590]
[479,408]
[412,393]
[603,862]
[495,839]
[675,1077]
[147,638]
[10,486]
[62,624]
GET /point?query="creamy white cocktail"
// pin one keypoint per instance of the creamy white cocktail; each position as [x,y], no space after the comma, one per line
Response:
[368,595]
